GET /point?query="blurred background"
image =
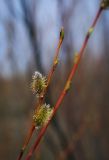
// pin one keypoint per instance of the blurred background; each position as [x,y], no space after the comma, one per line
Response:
[29,33]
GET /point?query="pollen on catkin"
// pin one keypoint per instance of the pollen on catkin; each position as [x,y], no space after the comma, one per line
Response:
[105,4]
[42,115]
[38,84]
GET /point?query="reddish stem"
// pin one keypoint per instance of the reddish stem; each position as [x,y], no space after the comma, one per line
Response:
[55,59]
[63,93]
[55,62]
[26,142]
[71,146]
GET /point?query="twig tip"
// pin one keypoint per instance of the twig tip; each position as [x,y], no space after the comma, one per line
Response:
[62,33]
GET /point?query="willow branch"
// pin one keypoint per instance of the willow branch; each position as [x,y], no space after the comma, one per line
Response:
[42,96]
[67,85]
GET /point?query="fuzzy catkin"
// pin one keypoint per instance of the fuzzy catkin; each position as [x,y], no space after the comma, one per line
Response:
[42,115]
[38,84]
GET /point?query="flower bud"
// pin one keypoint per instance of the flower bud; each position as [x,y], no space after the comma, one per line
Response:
[42,115]
[38,84]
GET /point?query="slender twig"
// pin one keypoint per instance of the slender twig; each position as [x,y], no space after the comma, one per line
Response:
[73,142]
[42,96]
[55,63]
[67,85]
[26,142]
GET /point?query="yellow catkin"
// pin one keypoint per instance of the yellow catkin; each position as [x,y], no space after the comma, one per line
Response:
[38,84]
[42,115]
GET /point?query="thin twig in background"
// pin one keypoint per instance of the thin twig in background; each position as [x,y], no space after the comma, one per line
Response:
[73,141]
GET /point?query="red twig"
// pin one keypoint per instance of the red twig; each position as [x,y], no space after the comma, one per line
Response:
[42,96]
[67,86]
[26,142]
